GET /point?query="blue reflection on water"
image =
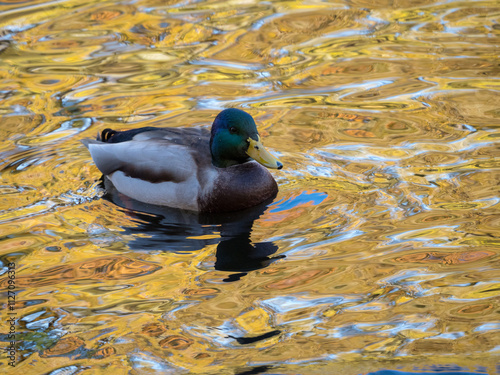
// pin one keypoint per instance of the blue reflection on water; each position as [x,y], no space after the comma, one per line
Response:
[440,372]
[305,197]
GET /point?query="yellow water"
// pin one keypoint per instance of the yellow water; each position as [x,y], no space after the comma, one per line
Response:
[381,250]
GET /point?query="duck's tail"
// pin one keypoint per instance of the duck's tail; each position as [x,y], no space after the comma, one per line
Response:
[106,135]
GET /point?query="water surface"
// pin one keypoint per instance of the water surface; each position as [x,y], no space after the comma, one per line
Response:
[381,250]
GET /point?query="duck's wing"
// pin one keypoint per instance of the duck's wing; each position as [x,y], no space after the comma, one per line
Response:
[149,161]
[157,155]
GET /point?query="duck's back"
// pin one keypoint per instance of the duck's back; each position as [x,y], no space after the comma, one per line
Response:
[197,138]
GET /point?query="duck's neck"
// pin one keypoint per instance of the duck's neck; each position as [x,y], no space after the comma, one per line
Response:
[221,162]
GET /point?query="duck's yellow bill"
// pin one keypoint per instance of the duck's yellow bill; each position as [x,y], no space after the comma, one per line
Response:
[257,152]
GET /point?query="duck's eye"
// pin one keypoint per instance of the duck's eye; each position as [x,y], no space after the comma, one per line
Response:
[232,130]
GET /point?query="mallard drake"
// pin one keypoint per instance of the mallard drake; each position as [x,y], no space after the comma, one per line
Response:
[192,168]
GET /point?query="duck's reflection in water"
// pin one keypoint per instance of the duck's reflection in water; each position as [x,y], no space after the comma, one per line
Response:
[167,229]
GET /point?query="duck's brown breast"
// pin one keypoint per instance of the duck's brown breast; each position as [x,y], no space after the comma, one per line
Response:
[238,187]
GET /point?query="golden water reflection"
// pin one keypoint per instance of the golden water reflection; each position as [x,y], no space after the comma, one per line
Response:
[380,250]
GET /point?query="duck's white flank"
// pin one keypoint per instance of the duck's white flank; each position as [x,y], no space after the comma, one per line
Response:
[178,195]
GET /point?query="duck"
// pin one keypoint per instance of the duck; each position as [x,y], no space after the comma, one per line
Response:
[221,170]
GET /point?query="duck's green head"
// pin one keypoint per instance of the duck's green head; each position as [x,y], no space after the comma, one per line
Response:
[235,140]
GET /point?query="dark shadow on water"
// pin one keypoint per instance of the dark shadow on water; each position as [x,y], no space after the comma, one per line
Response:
[255,370]
[254,339]
[159,228]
